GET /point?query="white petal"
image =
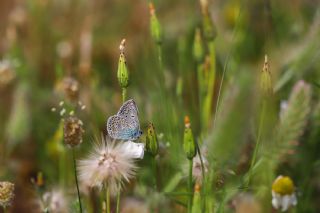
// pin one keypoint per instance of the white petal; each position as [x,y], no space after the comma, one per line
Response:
[276,200]
[294,200]
[135,149]
[286,202]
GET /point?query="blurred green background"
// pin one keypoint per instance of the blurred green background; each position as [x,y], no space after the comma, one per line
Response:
[46,41]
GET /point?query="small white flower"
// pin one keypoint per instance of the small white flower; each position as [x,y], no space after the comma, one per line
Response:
[283,195]
[110,163]
[55,201]
[197,167]
[136,149]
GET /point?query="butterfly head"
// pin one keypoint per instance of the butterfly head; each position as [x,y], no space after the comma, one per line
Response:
[137,134]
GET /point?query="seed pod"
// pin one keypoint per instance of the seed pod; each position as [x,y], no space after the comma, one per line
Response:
[123,74]
[198,52]
[6,193]
[189,145]
[155,28]
[266,84]
[72,131]
[152,144]
[209,29]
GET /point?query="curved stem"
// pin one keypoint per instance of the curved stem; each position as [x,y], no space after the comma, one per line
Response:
[76,178]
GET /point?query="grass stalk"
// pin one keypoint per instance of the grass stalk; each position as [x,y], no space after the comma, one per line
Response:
[76,178]
[256,149]
[107,191]
[118,200]
[203,188]
[190,186]
[207,105]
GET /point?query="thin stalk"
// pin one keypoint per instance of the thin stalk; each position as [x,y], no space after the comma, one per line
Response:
[118,200]
[5,210]
[207,102]
[124,94]
[203,192]
[256,149]
[107,191]
[225,66]
[200,93]
[62,168]
[76,178]
[163,94]
[154,167]
[190,186]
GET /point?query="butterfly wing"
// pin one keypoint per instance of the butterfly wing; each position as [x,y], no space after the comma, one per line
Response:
[128,109]
[119,127]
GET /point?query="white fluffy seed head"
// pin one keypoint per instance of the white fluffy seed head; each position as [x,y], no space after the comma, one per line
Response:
[109,163]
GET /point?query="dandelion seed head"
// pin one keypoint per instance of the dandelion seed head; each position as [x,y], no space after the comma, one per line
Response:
[110,163]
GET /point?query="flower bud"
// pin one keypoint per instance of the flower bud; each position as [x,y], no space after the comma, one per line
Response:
[209,30]
[6,193]
[189,145]
[198,52]
[123,74]
[72,131]
[266,84]
[152,144]
[155,27]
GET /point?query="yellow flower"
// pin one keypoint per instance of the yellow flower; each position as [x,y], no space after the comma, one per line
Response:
[283,195]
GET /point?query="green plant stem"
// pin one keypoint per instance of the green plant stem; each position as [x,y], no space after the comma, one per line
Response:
[118,199]
[256,149]
[62,168]
[203,192]
[207,102]
[200,92]
[5,210]
[107,191]
[190,186]
[124,94]
[154,167]
[76,178]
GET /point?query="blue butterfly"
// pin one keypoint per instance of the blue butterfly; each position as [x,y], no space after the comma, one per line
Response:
[125,124]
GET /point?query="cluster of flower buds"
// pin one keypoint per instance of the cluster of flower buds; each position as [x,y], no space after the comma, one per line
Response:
[189,144]
[72,131]
[6,193]
[69,87]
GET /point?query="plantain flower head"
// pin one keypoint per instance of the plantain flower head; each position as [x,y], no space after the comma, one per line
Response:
[6,193]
